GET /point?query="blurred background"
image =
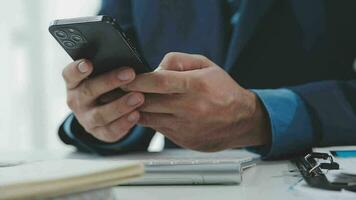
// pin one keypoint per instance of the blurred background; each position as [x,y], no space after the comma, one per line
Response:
[32,92]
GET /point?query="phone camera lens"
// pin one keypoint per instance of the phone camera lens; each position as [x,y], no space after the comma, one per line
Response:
[76,38]
[69,44]
[60,34]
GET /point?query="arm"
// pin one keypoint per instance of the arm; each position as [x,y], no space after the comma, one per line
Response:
[291,129]
[72,133]
[204,116]
[332,107]
[315,114]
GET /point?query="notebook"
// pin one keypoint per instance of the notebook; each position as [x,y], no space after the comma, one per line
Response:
[52,178]
[185,167]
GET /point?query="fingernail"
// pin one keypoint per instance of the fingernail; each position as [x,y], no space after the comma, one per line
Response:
[132,117]
[83,67]
[133,100]
[125,75]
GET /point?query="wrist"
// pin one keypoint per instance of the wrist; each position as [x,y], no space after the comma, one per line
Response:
[255,128]
[261,131]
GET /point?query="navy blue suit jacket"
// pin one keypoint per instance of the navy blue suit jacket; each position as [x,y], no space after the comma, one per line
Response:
[306,46]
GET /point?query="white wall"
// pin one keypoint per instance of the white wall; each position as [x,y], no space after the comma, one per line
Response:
[32,94]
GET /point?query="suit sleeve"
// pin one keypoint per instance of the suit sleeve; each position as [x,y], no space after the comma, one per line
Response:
[72,133]
[332,107]
[315,114]
[290,122]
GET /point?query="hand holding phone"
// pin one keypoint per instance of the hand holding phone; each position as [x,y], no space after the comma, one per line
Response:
[104,61]
[107,122]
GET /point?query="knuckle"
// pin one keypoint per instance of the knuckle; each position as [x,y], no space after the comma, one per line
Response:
[96,118]
[111,81]
[200,84]
[171,55]
[87,90]
[186,84]
[162,82]
[171,58]
[119,108]
[141,97]
[197,111]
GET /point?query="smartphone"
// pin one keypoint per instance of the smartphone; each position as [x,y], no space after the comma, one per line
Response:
[100,40]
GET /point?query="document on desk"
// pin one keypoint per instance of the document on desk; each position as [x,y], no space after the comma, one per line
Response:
[304,191]
[185,167]
[52,178]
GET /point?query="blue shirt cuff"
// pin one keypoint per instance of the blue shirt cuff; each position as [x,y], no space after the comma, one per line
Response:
[290,122]
[133,137]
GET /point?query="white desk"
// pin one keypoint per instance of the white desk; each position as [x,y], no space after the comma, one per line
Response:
[267,180]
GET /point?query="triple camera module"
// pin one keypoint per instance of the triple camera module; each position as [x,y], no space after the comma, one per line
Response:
[70,38]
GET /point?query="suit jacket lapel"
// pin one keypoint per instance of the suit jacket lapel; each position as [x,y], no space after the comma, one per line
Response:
[249,14]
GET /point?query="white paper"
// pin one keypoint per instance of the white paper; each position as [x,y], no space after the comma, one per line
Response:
[55,169]
[303,190]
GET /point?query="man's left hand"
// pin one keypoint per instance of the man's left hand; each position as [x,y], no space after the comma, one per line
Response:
[197,105]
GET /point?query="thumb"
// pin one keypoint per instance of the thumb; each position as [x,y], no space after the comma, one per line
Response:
[176,61]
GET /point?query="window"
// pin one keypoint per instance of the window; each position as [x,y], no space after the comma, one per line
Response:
[32,98]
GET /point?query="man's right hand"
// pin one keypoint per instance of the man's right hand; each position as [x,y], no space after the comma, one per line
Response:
[112,120]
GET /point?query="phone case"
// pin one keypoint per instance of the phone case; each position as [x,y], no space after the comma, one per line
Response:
[100,40]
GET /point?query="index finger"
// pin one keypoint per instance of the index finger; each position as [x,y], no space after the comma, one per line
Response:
[76,72]
[162,82]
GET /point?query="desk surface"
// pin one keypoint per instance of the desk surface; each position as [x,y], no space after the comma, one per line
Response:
[267,180]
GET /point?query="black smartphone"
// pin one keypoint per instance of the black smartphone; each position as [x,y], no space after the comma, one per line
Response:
[100,40]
